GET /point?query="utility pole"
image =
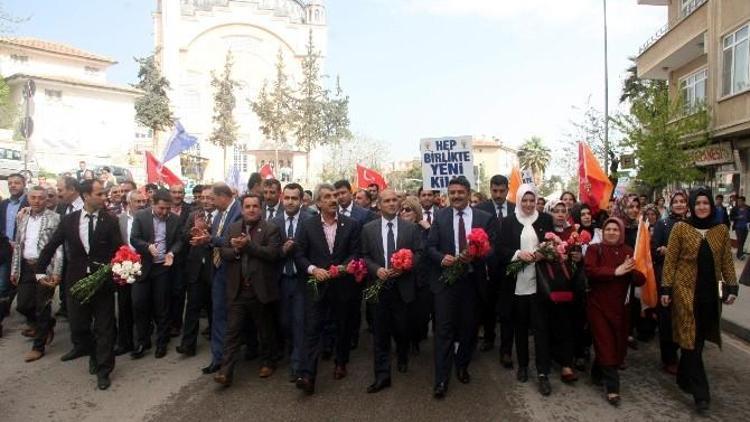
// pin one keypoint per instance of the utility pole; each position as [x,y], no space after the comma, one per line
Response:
[606,95]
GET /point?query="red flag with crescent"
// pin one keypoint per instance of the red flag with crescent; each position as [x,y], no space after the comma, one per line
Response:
[366,177]
[266,172]
[157,173]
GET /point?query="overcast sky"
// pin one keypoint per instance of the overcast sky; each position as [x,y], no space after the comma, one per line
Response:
[419,68]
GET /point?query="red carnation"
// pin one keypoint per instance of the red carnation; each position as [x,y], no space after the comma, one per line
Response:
[402,260]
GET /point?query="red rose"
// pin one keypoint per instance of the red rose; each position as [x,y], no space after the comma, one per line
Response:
[333,271]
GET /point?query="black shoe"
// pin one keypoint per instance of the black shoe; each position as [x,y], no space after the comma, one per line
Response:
[580,364]
[522,375]
[326,355]
[138,352]
[379,385]
[415,349]
[187,351]
[293,377]
[463,375]
[73,354]
[487,346]
[614,400]
[103,382]
[702,406]
[306,384]
[544,386]
[440,390]
[161,351]
[403,367]
[174,332]
[210,369]
[119,350]
[92,365]
[251,355]
[506,361]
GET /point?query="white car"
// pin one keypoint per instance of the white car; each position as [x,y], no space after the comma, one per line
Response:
[11,161]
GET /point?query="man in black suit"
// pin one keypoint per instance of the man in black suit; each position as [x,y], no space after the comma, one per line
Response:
[498,297]
[69,201]
[92,236]
[456,305]
[252,286]
[9,209]
[331,239]
[181,209]
[156,237]
[271,199]
[381,238]
[292,285]
[197,270]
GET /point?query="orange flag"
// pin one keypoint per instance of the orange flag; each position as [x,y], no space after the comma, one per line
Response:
[595,189]
[514,183]
[645,266]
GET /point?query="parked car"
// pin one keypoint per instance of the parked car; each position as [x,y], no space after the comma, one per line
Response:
[121,173]
[11,161]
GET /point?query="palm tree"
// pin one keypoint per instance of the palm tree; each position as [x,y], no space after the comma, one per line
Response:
[534,156]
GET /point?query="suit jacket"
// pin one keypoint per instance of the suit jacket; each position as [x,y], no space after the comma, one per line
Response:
[258,261]
[361,215]
[280,221]
[312,249]
[510,238]
[48,225]
[497,267]
[78,263]
[409,236]
[196,255]
[441,242]
[122,220]
[142,234]
[234,213]
[279,210]
[6,251]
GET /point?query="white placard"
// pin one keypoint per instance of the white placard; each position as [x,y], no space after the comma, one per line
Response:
[444,159]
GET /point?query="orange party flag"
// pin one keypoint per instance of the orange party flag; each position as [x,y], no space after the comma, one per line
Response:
[645,266]
[595,188]
[514,183]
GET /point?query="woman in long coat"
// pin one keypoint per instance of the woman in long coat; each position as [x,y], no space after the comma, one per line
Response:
[698,276]
[610,270]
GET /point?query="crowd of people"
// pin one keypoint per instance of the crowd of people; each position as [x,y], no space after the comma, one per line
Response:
[267,268]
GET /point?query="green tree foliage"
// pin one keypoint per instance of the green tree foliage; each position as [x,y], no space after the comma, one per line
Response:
[342,158]
[152,109]
[225,127]
[533,155]
[274,106]
[8,109]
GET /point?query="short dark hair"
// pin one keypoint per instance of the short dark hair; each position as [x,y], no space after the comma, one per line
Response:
[87,186]
[499,180]
[461,180]
[70,183]
[222,189]
[18,176]
[107,169]
[421,189]
[254,179]
[309,192]
[374,184]
[251,196]
[741,197]
[541,198]
[367,194]
[151,186]
[298,187]
[197,189]
[720,196]
[567,192]
[162,195]
[131,183]
[272,182]
[343,183]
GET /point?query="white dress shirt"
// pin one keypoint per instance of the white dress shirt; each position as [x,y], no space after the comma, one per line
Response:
[503,209]
[75,206]
[384,230]
[33,226]
[83,228]
[129,227]
[467,225]
[294,222]
[348,210]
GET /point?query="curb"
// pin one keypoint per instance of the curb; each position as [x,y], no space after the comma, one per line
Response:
[743,333]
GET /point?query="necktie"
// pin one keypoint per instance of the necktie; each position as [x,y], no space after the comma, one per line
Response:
[289,266]
[499,211]
[461,232]
[391,245]
[216,254]
[429,216]
[208,220]
[91,231]
[270,212]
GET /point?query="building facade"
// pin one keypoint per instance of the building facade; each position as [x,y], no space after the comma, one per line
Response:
[704,53]
[77,115]
[193,38]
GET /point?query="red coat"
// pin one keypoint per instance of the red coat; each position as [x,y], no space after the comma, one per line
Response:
[606,309]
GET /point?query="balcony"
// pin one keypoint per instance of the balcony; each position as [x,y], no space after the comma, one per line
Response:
[678,43]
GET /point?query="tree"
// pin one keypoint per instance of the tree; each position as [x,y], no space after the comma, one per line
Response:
[152,109]
[336,116]
[588,127]
[225,127]
[553,184]
[8,109]
[533,155]
[8,21]
[275,107]
[661,132]
[343,157]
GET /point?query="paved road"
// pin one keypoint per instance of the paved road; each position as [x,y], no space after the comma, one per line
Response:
[172,389]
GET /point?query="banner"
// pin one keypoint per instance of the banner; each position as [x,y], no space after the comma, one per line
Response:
[645,266]
[157,173]
[366,177]
[518,178]
[595,188]
[444,159]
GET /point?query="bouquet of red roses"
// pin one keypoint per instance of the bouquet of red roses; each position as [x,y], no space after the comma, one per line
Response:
[478,247]
[356,268]
[125,266]
[402,260]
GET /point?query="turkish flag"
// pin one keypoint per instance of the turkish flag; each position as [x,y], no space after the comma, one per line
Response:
[366,177]
[514,183]
[157,173]
[266,172]
[595,188]
[645,266]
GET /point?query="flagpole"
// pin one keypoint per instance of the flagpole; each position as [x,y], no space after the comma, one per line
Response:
[606,96]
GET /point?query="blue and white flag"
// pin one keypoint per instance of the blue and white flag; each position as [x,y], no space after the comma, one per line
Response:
[234,178]
[179,142]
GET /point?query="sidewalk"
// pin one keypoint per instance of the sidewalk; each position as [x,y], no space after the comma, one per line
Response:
[736,318]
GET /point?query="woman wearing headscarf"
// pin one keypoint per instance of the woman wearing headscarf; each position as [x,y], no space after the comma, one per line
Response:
[560,215]
[610,269]
[678,207]
[520,234]
[628,210]
[698,276]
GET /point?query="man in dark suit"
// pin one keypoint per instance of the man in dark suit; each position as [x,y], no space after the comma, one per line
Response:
[722,215]
[252,286]
[271,199]
[292,301]
[456,305]
[9,209]
[228,212]
[331,239]
[156,237]
[181,209]
[92,236]
[198,268]
[426,200]
[381,238]
[495,291]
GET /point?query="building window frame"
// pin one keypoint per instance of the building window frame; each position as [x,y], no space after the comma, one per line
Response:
[689,6]
[689,85]
[53,94]
[734,41]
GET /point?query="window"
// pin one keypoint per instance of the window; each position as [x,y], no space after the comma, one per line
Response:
[240,157]
[19,58]
[53,94]
[689,6]
[91,70]
[693,89]
[736,66]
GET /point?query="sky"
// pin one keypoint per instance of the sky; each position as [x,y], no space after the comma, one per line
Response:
[419,68]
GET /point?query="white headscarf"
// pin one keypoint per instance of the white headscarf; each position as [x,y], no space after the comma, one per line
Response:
[526,219]
[526,279]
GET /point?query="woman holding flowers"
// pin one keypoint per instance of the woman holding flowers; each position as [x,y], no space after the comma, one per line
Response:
[520,235]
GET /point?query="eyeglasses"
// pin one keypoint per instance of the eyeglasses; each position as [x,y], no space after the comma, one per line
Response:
[51,195]
[177,192]
[407,210]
